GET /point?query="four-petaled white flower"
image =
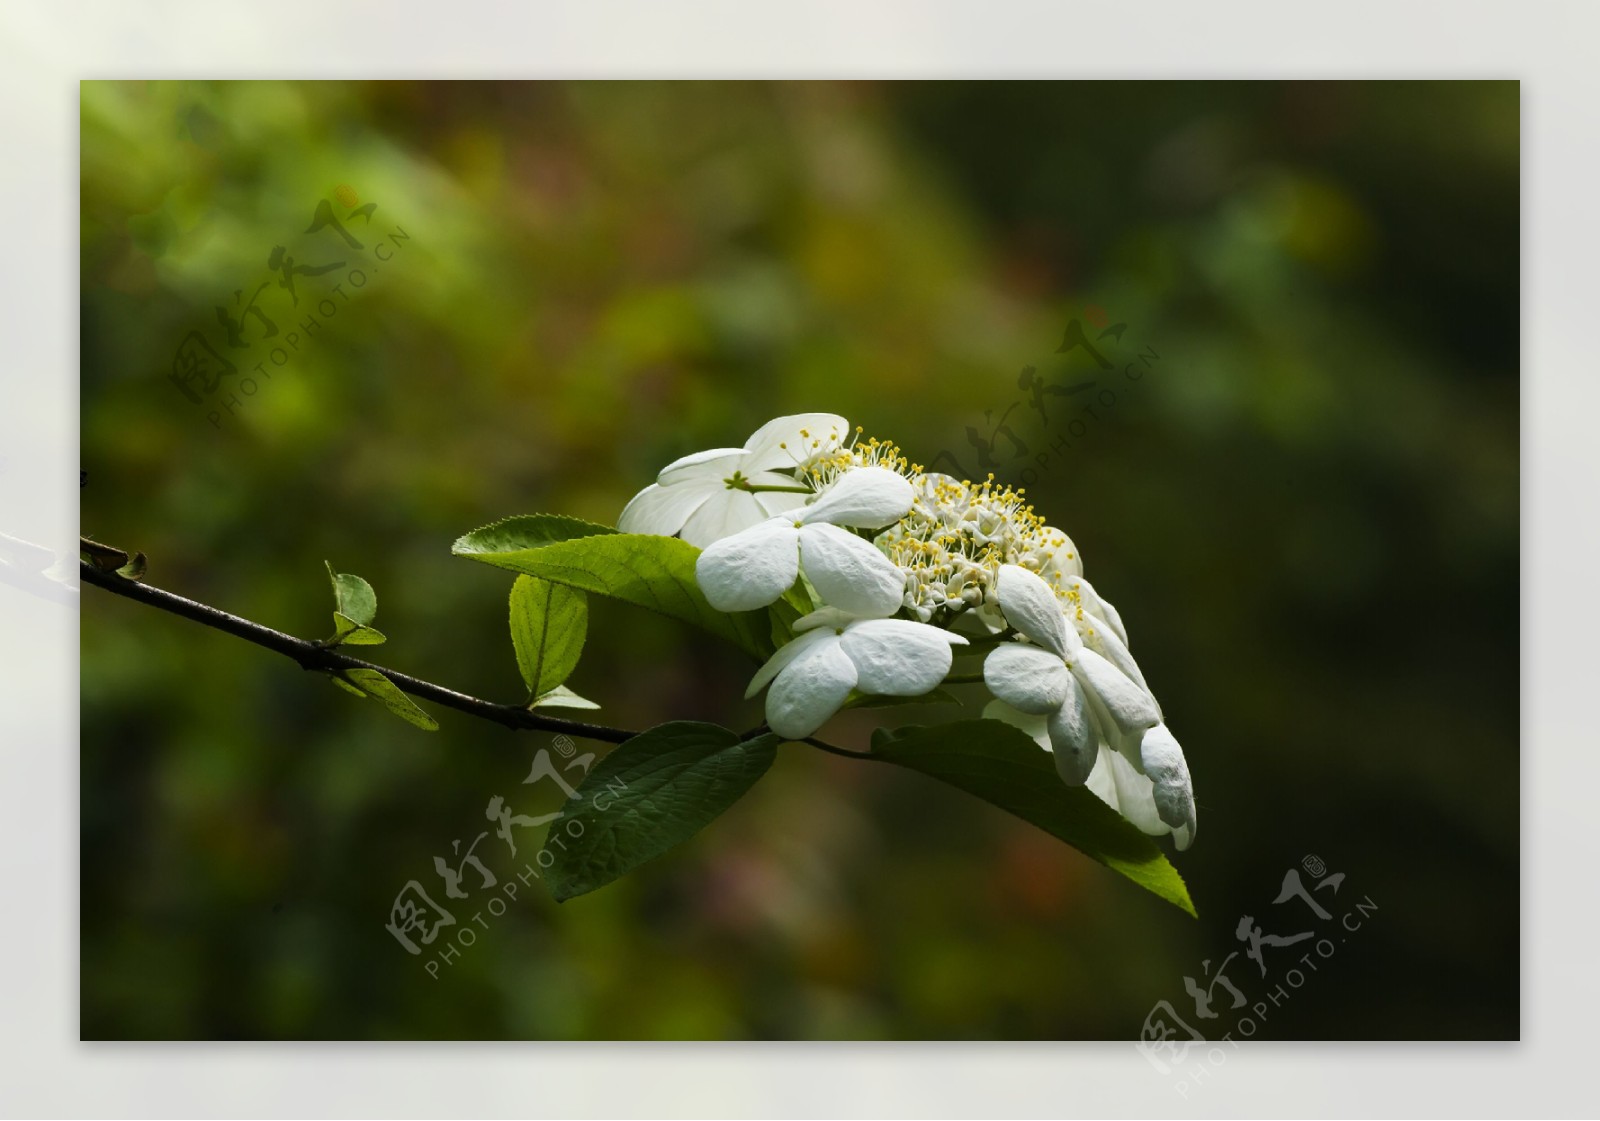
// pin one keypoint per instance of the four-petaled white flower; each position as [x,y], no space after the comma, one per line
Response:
[704,497]
[753,568]
[1085,700]
[836,651]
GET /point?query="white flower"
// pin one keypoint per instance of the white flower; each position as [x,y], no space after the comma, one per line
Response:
[1114,780]
[753,568]
[835,652]
[704,497]
[1087,698]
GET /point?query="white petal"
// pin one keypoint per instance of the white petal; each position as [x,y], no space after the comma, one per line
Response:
[1065,558]
[810,689]
[1165,766]
[750,569]
[850,573]
[1130,708]
[1104,641]
[715,465]
[897,658]
[1072,733]
[1109,614]
[1135,793]
[780,502]
[786,654]
[1100,783]
[775,501]
[865,498]
[824,432]
[663,510]
[1032,608]
[1028,678]
[1095,604]
[1027,722]
[724,514]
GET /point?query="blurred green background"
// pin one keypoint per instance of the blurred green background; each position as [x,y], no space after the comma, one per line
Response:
[1306,510]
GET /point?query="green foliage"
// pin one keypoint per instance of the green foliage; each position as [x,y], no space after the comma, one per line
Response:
[656,573]
[508,539]
[355,597]
[348,632]
[356,605]
[1003,766]
[653,792]
[134,569]
[796,602]
[548,623]
[561,697]
[371,683]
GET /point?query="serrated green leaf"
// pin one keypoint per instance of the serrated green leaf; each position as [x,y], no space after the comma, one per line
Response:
[562,697]
[524,533]
[1004,767]
[652,572]
[346,631]
[373,683]
[353,597]
[548,624]
[653,792]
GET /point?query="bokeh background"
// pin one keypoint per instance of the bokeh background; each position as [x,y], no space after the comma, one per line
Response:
[1306,508]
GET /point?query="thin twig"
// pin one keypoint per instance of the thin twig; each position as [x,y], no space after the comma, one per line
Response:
[310,656]
[831,750]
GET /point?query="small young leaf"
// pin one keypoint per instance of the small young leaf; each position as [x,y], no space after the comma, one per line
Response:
[134,569]
[1004,767]
[548,623]
[346,631]
[653,792]
[353,596]
[373,683]
[346,686]
[562,697]
[656,573]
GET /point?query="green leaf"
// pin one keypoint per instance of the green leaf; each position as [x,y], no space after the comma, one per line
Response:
[1003,766]
[795,603]
[134,569]
[346,686]
[548,623]
[511,537]
[353,596]
[652,572]
[562,697]
[371,683]
[655,791]
[346,631]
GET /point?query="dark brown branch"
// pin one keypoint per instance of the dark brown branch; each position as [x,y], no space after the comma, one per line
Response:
[310,656]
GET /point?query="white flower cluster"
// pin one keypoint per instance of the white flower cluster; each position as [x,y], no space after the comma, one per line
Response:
[895,560]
